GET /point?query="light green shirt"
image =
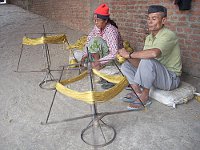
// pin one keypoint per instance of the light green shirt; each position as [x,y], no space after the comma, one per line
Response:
[167,42]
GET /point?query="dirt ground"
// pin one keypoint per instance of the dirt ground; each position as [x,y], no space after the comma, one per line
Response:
[24,105]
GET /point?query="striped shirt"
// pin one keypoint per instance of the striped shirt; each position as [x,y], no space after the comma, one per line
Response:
[112,37]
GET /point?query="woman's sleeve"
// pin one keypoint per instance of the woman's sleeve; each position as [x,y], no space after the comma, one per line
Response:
[112,42]
[90,36]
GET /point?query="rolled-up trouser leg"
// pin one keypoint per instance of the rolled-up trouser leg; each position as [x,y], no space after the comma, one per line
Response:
[150,73]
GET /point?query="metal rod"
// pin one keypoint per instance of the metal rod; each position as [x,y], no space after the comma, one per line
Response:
[48,61]
[20,57]
[48,58]
[53,98]
[41,70]
[101,115]
[94,110]
[46,33]
[102,131]
[70,119]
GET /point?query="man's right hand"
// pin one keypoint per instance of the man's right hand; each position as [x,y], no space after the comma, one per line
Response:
[123,52]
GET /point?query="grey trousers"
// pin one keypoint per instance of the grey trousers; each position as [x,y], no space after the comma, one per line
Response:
[150,73]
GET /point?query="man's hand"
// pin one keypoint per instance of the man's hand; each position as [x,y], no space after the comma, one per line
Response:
[124,53]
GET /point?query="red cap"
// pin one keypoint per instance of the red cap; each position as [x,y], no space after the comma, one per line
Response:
[103,10]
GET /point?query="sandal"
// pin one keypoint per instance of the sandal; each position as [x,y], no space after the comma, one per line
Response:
[128,88]
[102,81]
[107,85]
[130,97]
[138,105]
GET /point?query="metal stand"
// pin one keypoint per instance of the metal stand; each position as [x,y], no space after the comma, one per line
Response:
[53,100]
[48,77]
[48,81]
[97,133]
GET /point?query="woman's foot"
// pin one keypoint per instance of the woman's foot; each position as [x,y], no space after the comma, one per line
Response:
[102,81]
[107,85]
[130,97]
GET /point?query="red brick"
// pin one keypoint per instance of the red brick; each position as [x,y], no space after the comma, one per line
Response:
[195,25]
[195,37]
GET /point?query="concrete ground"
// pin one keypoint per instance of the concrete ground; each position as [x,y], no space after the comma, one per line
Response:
[23,104]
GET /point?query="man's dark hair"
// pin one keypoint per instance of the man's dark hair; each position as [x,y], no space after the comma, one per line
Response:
[158,8]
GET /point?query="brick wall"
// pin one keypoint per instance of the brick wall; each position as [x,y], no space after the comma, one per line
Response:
[131,19]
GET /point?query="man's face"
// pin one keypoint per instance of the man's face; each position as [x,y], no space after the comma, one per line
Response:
[155,21]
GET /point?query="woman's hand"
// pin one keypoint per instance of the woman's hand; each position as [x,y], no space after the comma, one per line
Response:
[83,59]
[96,65]
[122,52]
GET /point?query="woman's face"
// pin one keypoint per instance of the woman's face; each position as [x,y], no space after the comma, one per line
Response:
[100,23]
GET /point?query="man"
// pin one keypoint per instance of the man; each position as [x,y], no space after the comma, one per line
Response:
[158,64]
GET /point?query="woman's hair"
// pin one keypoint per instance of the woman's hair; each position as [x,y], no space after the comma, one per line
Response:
[108,19]
[112,23]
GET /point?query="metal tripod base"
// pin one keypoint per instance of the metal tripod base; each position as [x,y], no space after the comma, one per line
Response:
[98,134]
[48,82]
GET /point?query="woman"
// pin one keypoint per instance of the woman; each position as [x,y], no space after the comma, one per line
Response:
[104,40]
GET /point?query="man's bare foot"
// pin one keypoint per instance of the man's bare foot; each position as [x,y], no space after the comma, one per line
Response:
[136,88]
[144,98]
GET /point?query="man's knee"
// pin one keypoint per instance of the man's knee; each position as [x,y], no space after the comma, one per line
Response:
[146,62]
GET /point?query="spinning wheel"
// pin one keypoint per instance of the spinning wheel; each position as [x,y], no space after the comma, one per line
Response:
[97,133]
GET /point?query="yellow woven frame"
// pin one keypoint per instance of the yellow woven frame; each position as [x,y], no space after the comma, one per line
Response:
[93,96]
[55,39]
